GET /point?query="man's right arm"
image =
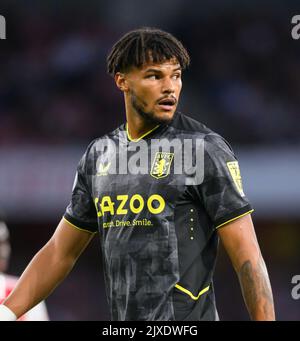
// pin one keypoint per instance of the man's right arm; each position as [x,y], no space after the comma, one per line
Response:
[48,268]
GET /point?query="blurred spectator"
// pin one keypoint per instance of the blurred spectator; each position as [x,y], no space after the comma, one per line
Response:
[7,282]
[54,90]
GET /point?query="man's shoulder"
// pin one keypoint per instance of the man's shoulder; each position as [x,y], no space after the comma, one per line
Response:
[212,139]
[187,123]
[112,135]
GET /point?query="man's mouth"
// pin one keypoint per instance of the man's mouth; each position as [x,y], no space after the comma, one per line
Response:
[167,104]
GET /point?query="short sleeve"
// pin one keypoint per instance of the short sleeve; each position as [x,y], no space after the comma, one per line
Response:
[81,211]
[222,190]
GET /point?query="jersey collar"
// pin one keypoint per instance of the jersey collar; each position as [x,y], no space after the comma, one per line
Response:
[139,138]
[156,129]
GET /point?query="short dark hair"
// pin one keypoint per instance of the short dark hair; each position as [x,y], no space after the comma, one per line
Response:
[145,45]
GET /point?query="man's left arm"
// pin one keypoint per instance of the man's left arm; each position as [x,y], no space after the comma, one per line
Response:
[240,242]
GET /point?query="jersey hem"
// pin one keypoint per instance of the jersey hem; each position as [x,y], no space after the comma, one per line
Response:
[190,294]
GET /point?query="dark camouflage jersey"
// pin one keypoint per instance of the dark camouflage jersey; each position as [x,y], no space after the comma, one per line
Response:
[158,228]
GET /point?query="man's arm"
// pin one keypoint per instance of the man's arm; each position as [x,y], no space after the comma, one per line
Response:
[239,240]
[48,268]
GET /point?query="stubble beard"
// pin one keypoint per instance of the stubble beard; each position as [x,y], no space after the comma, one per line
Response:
[148,116]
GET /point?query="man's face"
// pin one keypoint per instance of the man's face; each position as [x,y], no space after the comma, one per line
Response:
[153,90]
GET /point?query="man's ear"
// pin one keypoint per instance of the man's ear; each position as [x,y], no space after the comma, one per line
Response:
[121,81]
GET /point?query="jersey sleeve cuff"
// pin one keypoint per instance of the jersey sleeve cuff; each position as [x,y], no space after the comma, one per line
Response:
[91,228]
[233,216]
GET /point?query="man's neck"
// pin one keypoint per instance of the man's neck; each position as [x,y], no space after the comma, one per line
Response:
[137,127]
[142,133]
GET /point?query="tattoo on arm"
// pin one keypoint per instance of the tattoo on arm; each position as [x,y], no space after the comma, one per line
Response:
[256,289]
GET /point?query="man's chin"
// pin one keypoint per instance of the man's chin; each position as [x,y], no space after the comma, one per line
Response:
[163,117]
[157,117]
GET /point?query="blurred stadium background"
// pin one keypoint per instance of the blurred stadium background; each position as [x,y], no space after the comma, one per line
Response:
[55,97]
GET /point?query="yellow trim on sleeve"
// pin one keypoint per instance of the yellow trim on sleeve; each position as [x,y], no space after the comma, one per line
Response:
[228,221]
[139,138]
[203,291]
[78,228]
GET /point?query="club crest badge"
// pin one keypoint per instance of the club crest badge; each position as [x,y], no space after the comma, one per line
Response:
[161,165]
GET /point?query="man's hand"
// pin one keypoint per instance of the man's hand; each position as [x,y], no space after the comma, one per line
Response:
[239,240]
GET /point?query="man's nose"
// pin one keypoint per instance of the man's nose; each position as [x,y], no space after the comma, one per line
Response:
[168,86]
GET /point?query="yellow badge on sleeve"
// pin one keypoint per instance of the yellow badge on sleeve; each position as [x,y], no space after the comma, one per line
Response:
[235,173]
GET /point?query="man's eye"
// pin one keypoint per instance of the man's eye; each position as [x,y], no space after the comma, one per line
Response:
[152,77]
[176,76]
